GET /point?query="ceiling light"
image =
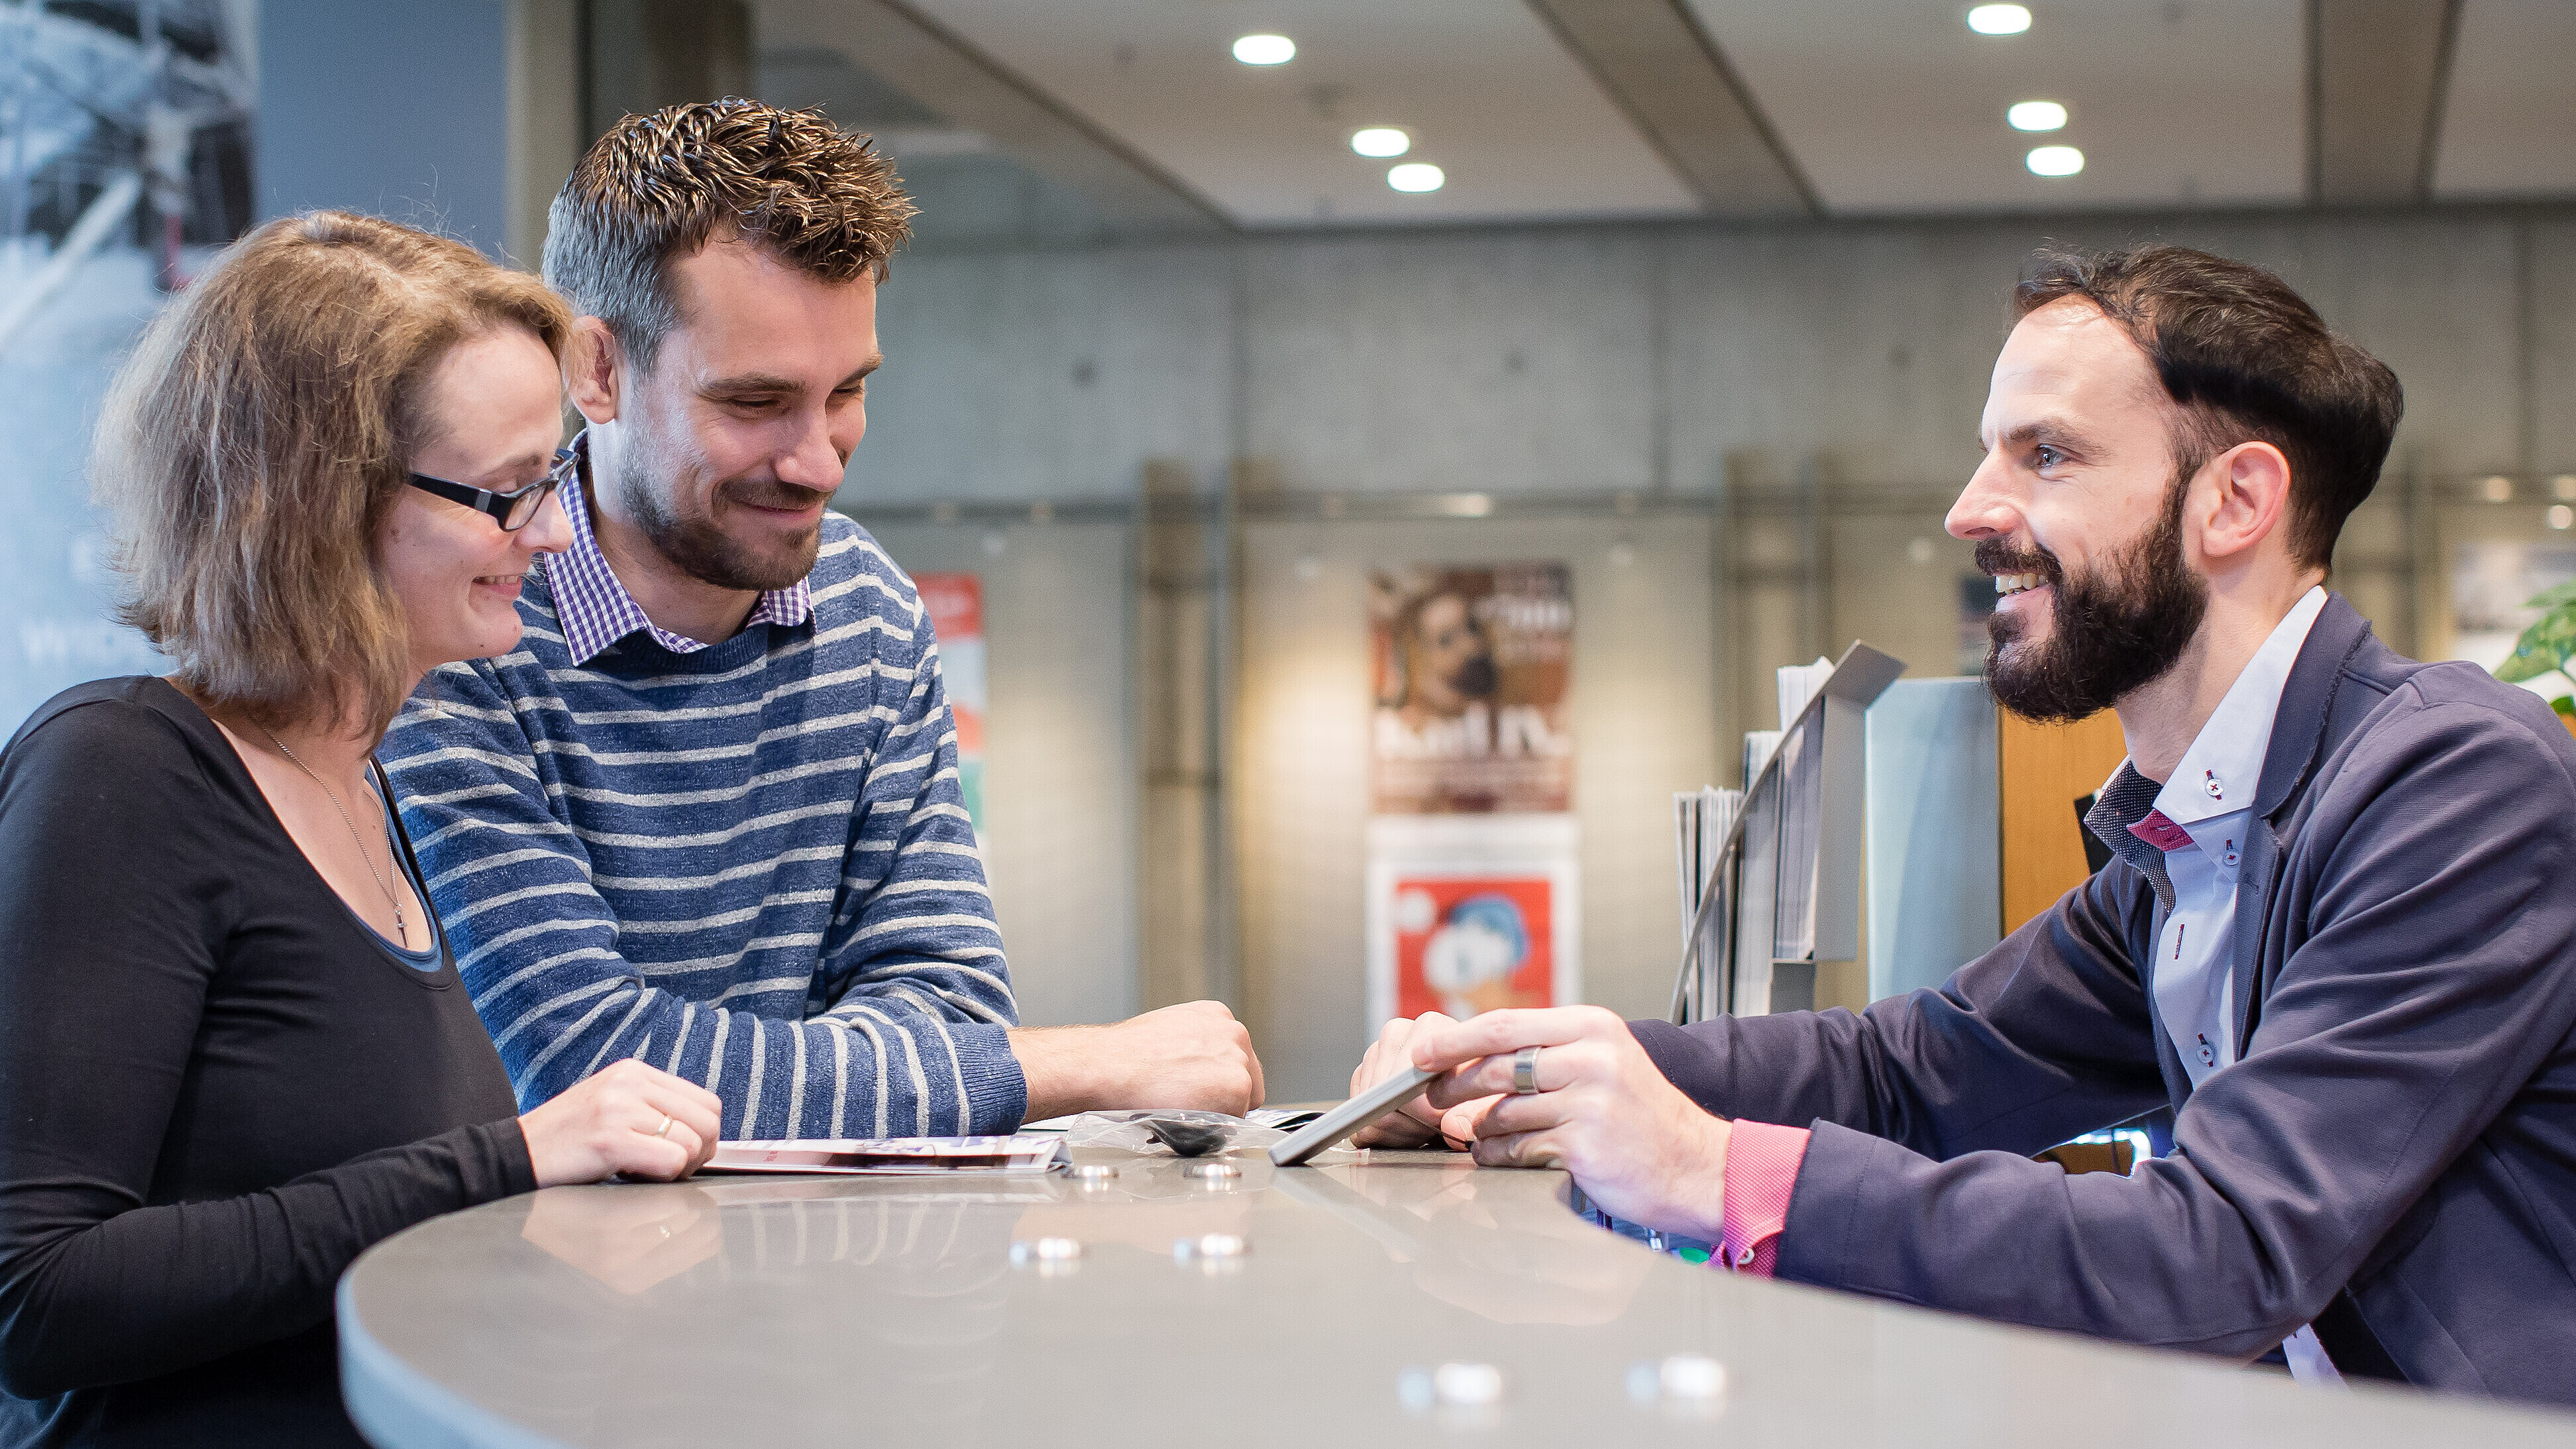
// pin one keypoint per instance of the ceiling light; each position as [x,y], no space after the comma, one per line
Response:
[2498,489]
[1381,141]
[2037,116]
[2561,517]
[1999,19]
[1277,49]
[1415,176]
[2055,161]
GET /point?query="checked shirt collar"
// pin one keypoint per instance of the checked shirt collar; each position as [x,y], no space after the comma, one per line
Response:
[595,609]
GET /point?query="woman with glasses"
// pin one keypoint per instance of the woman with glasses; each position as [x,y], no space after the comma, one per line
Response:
[234,1051]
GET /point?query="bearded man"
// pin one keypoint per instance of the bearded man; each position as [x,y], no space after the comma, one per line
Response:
[2338,936]
[708,814]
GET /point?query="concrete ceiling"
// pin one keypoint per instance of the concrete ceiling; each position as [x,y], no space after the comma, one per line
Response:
[2509,122]
[1565,109]
[1490,96]
[1897,106]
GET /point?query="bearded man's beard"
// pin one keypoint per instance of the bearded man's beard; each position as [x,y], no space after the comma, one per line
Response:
[2115,630]
[698,546]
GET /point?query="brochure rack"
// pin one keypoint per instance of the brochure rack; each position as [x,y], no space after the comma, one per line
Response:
[1787,873]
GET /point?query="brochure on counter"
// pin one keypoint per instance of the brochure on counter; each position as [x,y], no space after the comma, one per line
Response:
[1286,1119]
[895,1156]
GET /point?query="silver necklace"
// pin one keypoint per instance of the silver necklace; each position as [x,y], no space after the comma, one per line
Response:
[402,928]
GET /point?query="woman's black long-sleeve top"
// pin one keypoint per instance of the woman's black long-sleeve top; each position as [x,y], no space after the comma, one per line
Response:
[218,1086]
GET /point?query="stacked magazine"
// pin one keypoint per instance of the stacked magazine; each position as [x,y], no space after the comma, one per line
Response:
[1801,800]
[895,1156]
[1781,898]
[1702,820]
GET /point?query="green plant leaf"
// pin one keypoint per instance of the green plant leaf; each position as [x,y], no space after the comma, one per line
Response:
[2545,646]
[2559,597]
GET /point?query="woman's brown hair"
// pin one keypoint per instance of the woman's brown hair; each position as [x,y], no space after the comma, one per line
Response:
[251,449]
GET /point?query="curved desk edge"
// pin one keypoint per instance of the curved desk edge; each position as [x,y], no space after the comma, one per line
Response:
[395,1406]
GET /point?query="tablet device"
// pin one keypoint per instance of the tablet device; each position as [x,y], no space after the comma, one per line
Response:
[1351,1116]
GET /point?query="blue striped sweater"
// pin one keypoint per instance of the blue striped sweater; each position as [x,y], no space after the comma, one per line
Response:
[749,864]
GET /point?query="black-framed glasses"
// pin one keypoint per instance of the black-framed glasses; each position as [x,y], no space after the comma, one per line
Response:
[513,509]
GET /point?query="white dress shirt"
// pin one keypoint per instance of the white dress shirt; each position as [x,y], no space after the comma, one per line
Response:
[2199,822]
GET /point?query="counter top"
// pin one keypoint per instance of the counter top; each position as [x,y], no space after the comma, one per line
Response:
[890,1311]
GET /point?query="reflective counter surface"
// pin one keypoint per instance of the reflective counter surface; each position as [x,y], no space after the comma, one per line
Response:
[770,1310]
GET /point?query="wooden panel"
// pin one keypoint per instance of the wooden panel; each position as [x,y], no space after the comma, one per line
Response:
[2041,771]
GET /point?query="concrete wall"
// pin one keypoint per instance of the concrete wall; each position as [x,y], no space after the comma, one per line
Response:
[1059,831]
[400,110]
[1048,375]
[1617,357]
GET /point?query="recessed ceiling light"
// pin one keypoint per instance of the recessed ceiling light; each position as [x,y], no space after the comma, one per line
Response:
[1277,49]
[1415,176]
[1999,19]
[1381,141]
[2055,161]
[2037,116]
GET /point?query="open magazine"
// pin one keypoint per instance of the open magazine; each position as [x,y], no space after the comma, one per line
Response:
[894,1156]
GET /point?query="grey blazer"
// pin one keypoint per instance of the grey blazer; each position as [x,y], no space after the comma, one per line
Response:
[2392,1156]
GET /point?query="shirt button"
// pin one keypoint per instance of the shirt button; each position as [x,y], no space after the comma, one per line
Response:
[2209,782]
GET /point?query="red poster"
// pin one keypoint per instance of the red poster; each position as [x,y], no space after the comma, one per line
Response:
[956,606]
[1469,944]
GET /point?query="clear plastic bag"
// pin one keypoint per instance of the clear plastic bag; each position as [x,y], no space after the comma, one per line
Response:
[1134,1132]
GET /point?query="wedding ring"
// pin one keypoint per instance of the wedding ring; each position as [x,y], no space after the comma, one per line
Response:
[1525,1072]
[666,1126]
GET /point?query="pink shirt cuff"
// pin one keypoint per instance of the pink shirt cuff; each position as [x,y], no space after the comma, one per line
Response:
[1761,1173]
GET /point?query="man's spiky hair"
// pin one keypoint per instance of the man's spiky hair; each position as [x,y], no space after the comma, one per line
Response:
[658,187]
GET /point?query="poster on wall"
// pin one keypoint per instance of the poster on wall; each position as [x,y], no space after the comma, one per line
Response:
[1474,876]
[1473,671]
[125,161]
[1469,914]
[956,606]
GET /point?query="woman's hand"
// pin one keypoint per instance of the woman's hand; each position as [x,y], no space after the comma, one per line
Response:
[1417,1123]
[616,1121]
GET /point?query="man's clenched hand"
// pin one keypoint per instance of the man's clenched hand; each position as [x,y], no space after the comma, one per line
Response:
[1192,1055]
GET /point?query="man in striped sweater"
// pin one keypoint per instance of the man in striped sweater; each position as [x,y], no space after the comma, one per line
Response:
[707,814]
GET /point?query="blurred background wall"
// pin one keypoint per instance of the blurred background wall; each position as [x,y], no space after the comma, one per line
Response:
[1171,387]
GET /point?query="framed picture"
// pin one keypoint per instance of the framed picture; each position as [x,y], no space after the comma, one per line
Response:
[1473,673]
[1472,915]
